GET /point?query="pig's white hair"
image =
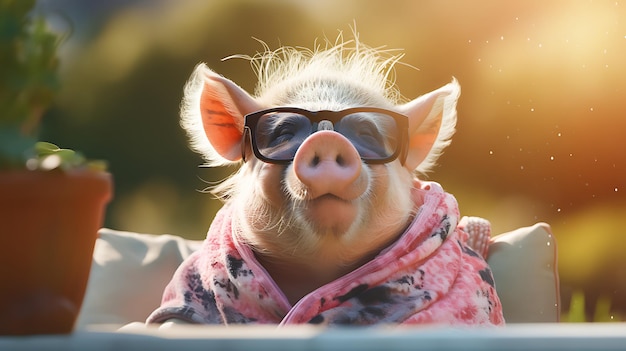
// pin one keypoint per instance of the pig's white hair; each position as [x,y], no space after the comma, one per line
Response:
[369,72]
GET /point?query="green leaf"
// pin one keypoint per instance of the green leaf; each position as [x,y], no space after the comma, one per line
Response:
[45,148]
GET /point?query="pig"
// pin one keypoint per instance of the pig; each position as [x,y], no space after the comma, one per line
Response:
[327,220]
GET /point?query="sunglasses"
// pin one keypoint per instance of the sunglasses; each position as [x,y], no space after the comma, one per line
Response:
[379,135]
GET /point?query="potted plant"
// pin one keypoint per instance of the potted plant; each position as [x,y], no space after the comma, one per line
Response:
[51,200]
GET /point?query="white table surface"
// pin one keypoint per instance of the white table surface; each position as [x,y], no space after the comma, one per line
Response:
[584,336]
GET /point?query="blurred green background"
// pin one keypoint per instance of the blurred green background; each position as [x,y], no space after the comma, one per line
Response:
[541,117]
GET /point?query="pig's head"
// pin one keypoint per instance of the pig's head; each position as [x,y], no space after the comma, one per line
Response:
[328,188]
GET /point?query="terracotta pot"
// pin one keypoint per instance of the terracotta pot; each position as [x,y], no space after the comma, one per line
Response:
[48,227]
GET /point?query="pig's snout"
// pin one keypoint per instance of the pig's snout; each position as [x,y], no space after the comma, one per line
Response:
[328,164]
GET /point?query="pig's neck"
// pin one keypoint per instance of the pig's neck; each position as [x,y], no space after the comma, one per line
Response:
[297,280]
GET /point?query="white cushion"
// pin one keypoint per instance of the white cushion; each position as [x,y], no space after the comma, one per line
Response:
[128,275]
[524,266]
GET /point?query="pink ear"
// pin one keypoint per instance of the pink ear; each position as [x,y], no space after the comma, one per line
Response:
[432,118]
[223,105]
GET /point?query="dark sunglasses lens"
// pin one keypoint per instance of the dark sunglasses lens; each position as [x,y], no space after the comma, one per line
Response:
[279,134]
[374,135]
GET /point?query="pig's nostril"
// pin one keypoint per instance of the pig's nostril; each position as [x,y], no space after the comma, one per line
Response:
[315,161]
[340,160]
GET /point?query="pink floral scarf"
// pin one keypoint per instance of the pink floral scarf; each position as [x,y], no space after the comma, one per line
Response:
[429,275]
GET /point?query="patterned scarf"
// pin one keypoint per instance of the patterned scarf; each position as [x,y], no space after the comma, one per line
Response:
[429,275]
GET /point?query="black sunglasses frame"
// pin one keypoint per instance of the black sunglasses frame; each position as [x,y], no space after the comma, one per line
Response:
[251,120]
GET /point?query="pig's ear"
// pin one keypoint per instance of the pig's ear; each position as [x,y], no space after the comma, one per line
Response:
[432,119]
[212,114]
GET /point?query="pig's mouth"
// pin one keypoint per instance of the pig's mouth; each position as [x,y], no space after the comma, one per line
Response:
[332,213]
[328,197]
